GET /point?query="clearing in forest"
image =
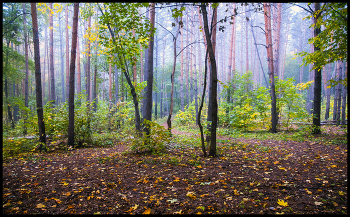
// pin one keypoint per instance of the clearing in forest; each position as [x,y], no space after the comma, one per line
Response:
[248,176]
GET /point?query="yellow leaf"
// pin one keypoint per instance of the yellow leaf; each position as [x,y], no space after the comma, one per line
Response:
[199,166]
[135,207]
[191,194]
[147,211]
[179,212]
[341,193]
[40,205]
[282,203]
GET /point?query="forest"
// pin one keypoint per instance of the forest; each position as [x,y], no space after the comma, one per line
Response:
[174,108]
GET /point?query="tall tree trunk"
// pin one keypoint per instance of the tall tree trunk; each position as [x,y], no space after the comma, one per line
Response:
[210,100]
[172,80]
[257,50]
[67,55]
[116,84]
[338,91]
[195,72]
[316,120]
[344,97]
[62,62]
[110,84]
[26,88]
[39,105]
[156,75]
[246,41]
[52,72]
[277,39]
[328,91]
[94,94]
[162,81]
[45,58]
[72,76]
[199,62]
[285,46]
[267,12]
[88,83]
[187,62]
[78,65]
[191,74]
[182,75]
[213,77]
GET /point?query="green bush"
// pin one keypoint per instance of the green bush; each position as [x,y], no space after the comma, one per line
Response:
[153,143]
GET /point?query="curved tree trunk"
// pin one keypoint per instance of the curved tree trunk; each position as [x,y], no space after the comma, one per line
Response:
[172,82]
[213,90]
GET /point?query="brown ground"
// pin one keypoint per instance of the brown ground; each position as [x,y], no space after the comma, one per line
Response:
[249,176]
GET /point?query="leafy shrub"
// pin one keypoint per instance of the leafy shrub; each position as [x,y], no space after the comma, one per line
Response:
[153,143]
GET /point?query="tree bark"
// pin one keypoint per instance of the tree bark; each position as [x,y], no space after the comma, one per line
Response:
[62,62]
[67,55]
[52,69]
[230,59]
[339,91]
[328,91]
[213,91]
[195,73]
[149,71]
[45,58]
[88,86]
[26,88]
[39,105]
[78,65]
[318,83]
[94,92]
[267,12]
[172,81]
[72,76]
[344,97]
[182,75]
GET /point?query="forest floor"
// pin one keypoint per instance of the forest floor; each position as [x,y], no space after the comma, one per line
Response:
[248,176]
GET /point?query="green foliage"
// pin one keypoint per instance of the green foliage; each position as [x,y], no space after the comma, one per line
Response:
[153,143]
[289,102]
[332,41]
[186,117]
[122,18]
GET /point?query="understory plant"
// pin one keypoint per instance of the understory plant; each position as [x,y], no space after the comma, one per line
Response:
[154,142]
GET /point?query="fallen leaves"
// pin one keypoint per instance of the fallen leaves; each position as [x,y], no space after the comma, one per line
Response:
[40,206]
[282,203]
[191,194]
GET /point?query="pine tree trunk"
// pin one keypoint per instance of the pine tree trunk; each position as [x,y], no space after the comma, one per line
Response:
[328,91]
[26,88]
[339,91]
[62,62]
[52,72]
[246,43]
[344,97]
[67,56]
[45,59]
[316,121]
[78,65]
[195,72]
[182,74]
[88,67]
[72,76]
[267,12]
[39,105]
